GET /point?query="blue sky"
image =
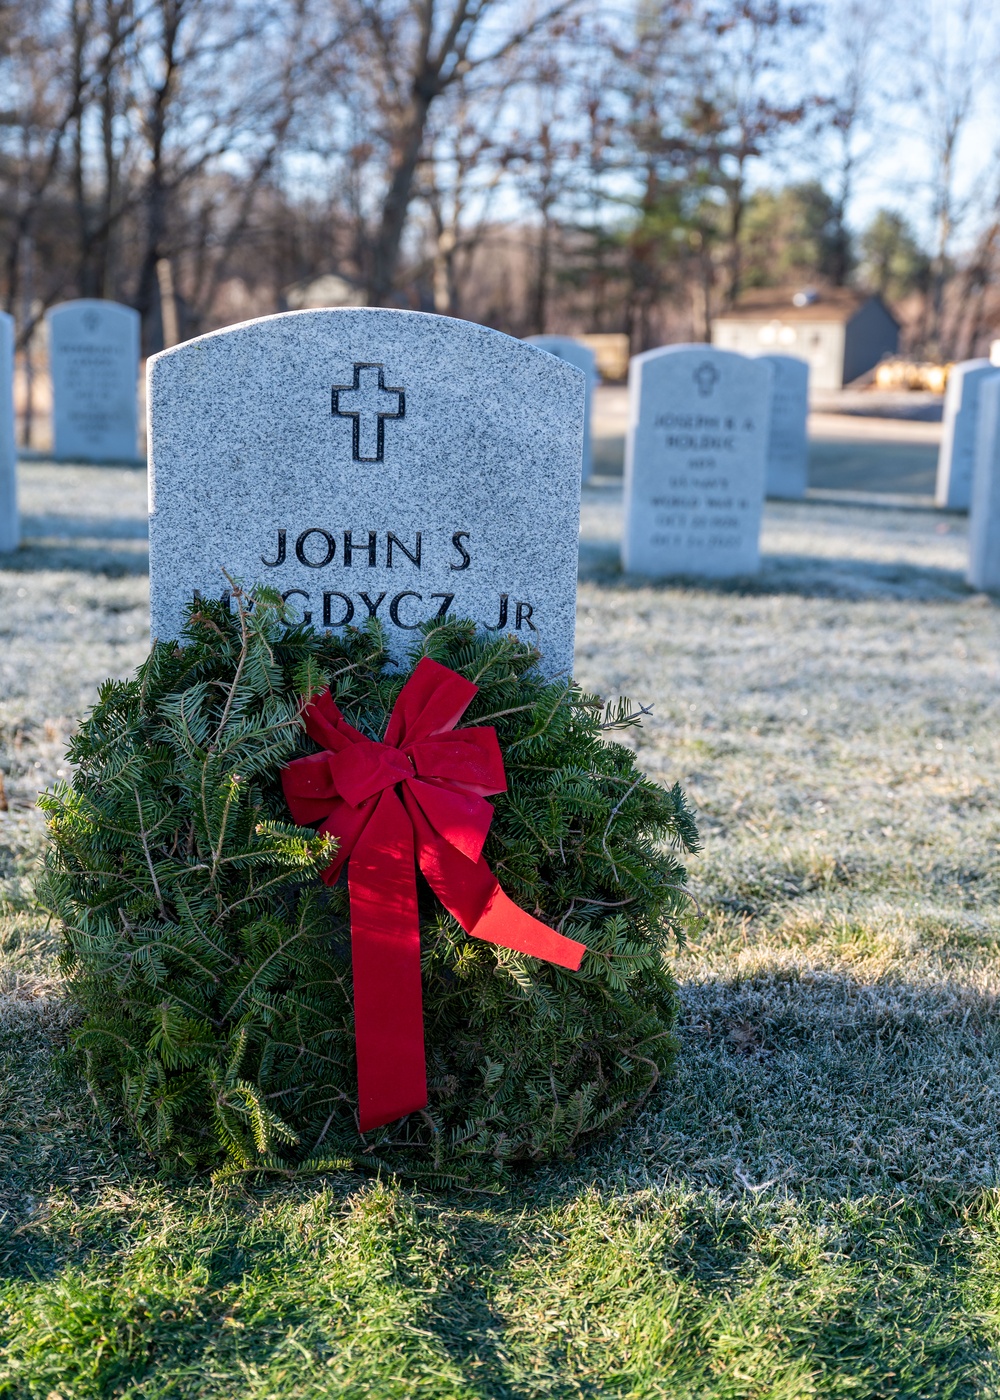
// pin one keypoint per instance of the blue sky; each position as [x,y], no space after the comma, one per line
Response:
[939,45]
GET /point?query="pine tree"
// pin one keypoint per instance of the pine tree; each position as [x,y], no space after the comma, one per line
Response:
[212,966]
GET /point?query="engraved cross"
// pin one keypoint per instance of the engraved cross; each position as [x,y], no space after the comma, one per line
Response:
[706,377]
[369,402]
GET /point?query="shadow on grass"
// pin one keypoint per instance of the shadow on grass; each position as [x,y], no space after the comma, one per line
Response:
[812,1083]
[45,458]
[94,555]
[810,1198]
[825,1086]
[47,528]
[465,1317]
[803,575]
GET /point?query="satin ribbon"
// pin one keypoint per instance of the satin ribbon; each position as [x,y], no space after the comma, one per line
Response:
[416,797]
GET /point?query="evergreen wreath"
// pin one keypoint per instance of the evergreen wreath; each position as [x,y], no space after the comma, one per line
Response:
[212,966]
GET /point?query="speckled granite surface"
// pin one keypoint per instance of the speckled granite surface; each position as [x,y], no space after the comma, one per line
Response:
[369,462]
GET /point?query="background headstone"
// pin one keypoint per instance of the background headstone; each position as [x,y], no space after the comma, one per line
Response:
[10,533]
[958,433]
[369,463]
[94,362]
[695,460]
[984,512]
[580,355]
[788,442]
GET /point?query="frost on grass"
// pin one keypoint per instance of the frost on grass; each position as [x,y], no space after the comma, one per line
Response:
[844,755]
[73,610]
[803,1210]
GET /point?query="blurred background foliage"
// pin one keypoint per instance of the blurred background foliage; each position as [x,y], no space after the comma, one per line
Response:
[536,165]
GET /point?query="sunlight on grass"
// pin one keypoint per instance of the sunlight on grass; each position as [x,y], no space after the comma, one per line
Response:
[375,1289]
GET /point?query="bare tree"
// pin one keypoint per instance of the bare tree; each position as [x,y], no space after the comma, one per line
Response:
[45,90]
[949,57]
[213,92]
[710,89]
[753,98]
[851,54]
[972,307]
[534,162]
[467,161]
[411,52]
[547,156]
[101,35]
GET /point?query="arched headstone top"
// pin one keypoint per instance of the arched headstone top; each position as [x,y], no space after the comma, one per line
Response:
[369,462]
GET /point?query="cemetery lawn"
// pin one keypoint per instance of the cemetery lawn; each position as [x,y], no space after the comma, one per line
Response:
[809,1208]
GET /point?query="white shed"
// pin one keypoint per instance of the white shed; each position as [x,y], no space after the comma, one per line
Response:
[840,332]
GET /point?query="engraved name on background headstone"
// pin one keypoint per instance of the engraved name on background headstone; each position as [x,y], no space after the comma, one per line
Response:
[984,511]
[575,353]
[10,533]
[958,434]
[695,457]
[94,363]
[788,444]
[369,463]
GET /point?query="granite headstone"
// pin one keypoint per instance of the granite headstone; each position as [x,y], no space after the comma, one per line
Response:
[94,363]
[10,532]
[369,463]
[984,511]
[574,352]
[788,443]
[956,454]
[695,459]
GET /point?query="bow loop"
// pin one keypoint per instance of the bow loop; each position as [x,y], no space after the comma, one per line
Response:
[327,725]
[418,795]
[310,789]
[432,701]
[468,757]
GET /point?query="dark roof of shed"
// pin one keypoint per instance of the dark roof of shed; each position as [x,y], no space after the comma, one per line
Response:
[775,303]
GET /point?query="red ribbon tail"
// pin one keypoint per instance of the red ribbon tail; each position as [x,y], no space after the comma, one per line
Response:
[506,923]
[471,893]
[385,955]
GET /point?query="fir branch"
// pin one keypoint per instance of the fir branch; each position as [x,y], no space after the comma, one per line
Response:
[241,660]
[614,812]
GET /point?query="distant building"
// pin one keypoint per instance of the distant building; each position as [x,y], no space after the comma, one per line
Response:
[840,332]
[611,353]
[332,289]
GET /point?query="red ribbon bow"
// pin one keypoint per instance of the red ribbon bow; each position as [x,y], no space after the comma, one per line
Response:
[420,794]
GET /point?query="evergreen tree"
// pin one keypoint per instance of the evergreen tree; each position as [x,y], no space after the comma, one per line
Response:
[893,262]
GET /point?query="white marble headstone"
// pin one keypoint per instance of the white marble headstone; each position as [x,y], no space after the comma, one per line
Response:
[10,533]
[574,352]
[984,511]
[94,362]
[788,443]
[958,436]
[695,458]
[369,462]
